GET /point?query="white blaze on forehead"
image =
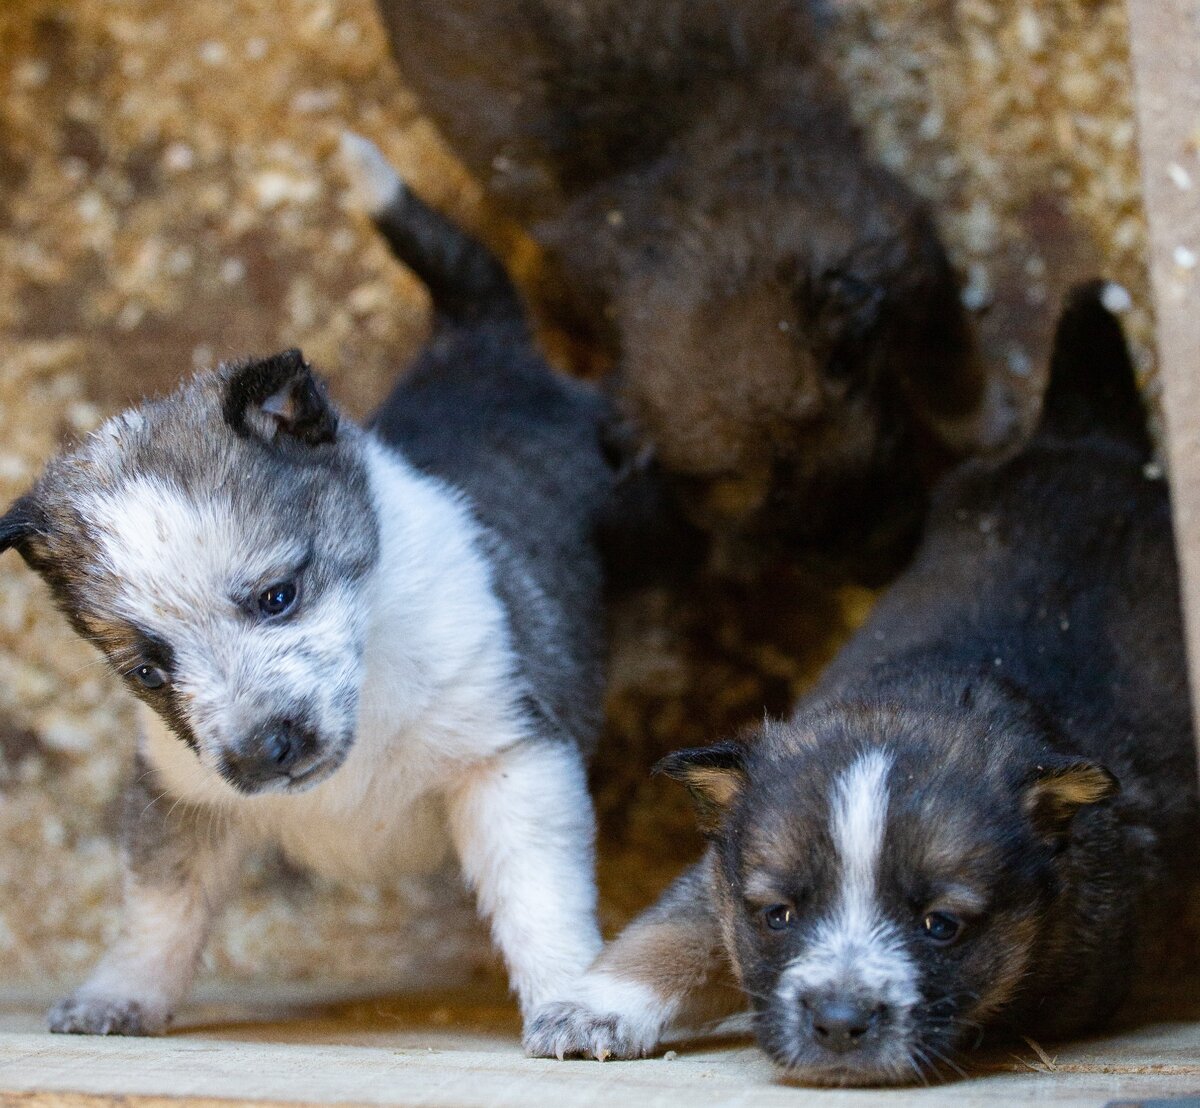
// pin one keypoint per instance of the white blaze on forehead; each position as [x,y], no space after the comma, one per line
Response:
[858,818]
[856,948]
[174,553]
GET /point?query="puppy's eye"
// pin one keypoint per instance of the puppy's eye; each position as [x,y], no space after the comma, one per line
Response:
[148,676]
[942,927]
[277,598]
[779,917]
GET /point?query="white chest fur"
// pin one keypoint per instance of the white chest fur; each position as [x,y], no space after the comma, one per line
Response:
[437,696]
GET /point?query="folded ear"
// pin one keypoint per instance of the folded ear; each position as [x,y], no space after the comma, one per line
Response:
[714,775]
[965,404]
[1059,787]
[279,398]
[19,524]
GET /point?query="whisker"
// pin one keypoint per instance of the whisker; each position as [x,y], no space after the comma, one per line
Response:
[924,1063]
[88,665]
[152,803]
[946,1060]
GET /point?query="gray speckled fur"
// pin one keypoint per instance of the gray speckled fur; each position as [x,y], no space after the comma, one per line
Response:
[482,411]
[496,644]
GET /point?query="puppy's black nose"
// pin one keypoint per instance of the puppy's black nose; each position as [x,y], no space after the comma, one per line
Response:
[841,1024]
[272,750]
[279,748]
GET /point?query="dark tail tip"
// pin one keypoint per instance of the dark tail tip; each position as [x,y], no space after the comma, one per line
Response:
[1093,384]
[465,280]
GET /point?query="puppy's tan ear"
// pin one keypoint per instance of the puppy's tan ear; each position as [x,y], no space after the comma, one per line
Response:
[714,775]
[1061,786]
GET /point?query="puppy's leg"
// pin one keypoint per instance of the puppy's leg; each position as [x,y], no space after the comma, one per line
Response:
[669,966]
[178,866]
[524,829]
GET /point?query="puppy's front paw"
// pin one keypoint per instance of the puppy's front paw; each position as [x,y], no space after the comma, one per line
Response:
[83,1014]
[566,1029]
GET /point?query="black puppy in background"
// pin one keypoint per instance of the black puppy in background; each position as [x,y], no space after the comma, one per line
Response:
[785,321]
[963,825]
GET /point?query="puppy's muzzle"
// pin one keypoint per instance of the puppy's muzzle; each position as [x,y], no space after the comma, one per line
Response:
[277,754]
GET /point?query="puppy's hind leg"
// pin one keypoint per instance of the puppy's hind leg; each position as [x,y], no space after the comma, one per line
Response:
[524,829]
[668,967]
[178,866]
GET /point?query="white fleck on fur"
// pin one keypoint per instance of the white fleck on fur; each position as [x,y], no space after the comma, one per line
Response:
[440,751]
[856,949]
[1116,298]
[374,183]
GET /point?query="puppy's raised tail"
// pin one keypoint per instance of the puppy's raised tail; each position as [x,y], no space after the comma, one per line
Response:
[465,281]
[1093,384]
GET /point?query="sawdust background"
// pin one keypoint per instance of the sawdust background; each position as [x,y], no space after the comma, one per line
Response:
[169,197]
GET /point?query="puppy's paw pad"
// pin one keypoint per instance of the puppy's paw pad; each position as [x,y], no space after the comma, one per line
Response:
[91,1015]
[566,1029]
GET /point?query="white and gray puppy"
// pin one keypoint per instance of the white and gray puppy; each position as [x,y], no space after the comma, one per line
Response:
[360,646]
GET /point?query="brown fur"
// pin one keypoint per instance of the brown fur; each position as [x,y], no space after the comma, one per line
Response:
[785,321]
[676,950]
[966,826]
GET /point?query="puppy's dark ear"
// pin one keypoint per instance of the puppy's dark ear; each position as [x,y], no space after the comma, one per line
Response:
[1059,787]
[279,398]
[714,775]
[963,403]
[19,524]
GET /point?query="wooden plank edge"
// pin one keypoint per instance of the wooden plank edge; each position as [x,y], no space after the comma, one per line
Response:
[1165,54]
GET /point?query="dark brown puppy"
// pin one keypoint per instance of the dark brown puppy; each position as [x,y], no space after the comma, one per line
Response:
[785,320]
[962,826]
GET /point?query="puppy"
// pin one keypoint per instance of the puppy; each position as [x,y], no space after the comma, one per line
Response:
[362,646]
[786,324]
[959,828]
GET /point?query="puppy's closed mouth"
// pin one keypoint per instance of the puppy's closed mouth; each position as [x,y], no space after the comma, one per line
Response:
[297,782]
[314,775]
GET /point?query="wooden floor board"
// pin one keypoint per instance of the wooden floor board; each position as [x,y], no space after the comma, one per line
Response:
[463,1050]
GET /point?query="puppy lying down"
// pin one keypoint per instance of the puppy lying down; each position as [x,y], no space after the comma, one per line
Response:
[361,646]
[960,827]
